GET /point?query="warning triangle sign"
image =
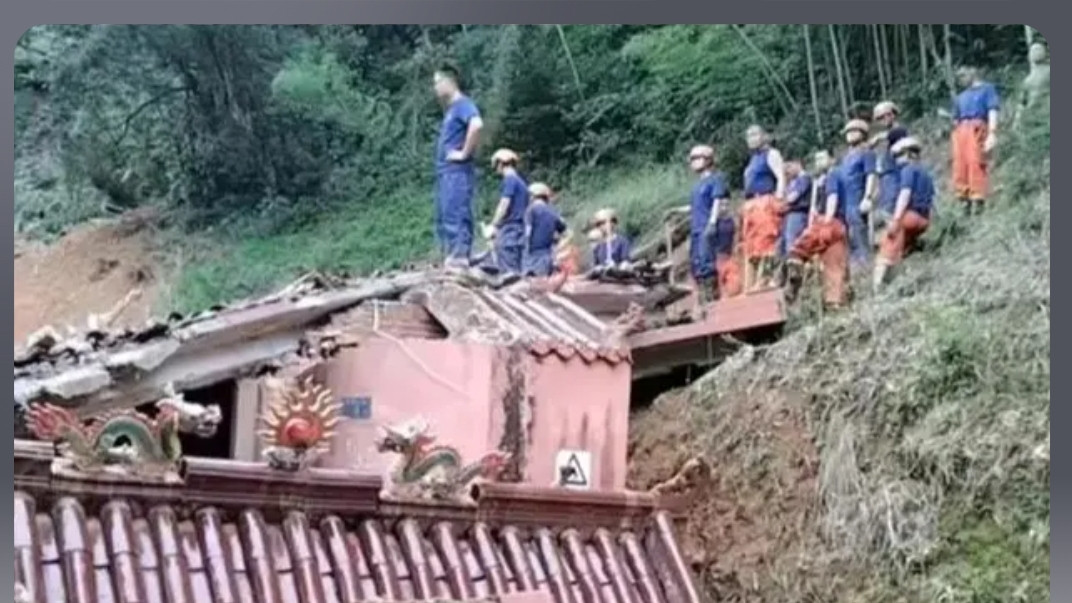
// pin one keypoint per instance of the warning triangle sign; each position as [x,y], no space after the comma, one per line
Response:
[573,473]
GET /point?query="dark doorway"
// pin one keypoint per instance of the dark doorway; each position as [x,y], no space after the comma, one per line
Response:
[644,391]
[221,445]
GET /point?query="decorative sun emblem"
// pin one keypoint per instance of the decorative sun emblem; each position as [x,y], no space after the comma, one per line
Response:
[299,423]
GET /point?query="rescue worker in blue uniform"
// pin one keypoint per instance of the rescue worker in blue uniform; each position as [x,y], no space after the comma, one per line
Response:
[888,173]
[856,175]
[507,226]
[761,215]
[545,228]
[975,113]
[912,212]
[798,205]
[459,134]
[707,203]
[611,249]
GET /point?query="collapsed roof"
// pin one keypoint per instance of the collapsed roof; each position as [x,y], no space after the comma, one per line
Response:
[99,369]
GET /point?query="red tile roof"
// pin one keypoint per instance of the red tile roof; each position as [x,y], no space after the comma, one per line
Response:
[239,532]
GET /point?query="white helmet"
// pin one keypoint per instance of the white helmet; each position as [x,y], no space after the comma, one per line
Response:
[539,189]
[702,151]
[908,143]
[885,108]
[503,156]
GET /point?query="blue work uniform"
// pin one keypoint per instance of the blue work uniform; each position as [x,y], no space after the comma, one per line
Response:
[836,185]
[704,193]
[919,182]
[798,198]
[889,173]
[759,178]
[510,238]
[976,103]
[853,171]
[455,181]
[544,226]
[612,252]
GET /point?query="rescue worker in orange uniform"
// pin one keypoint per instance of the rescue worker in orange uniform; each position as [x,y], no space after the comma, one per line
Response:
[826,238]
[884,196]
[761,216]
[912,212]
[974,137]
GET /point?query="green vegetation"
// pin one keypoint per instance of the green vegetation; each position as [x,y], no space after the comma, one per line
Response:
[277,150]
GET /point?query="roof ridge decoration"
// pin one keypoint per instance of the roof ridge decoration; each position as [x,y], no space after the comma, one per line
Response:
[428,471]
[124,445]
[297,426]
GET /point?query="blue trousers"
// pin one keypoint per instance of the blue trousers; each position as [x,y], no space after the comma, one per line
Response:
[454,193]
[510,247]
[859,247]
[701,262]
[793,224]
[539,262]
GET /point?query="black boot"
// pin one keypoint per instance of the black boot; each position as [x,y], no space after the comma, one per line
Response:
[980,206]
[967,205]
[794,278]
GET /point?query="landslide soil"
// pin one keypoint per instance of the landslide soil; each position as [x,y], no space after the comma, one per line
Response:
[88,271]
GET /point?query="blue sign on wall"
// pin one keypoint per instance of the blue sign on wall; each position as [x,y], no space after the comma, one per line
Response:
[359,408]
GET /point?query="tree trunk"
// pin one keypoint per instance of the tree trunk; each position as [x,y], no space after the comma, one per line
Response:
[878,60]
[812,87]
[886,62]
[790,103]
[905,71]
[922,56]
[838,71]
[947,36]
[850,86]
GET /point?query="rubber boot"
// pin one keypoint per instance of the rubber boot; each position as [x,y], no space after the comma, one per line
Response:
[794,278]
[980,206]
[967,207]
[703,299]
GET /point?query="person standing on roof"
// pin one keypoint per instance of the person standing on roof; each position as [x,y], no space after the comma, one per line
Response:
[507,226]
[611,249]
[857,181]
[975,113]
[761,216]
[459,134]
[825,238]
[884,196]
[798,205]
[912,211]
[707,201]
[545,230]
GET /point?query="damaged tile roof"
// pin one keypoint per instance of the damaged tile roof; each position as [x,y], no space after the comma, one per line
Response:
[98,369]
[240,532]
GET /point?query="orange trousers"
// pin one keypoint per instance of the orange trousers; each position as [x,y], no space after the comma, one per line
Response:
[829,241]
[900,236]
[729,276]
[970,179]
[761,226]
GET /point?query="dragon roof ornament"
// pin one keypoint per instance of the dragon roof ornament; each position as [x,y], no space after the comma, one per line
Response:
[425,470]
[298,425]
[124,445]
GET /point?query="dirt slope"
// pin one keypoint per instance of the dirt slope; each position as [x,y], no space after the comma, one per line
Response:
[88,271]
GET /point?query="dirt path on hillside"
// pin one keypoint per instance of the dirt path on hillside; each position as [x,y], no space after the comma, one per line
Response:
[88,271]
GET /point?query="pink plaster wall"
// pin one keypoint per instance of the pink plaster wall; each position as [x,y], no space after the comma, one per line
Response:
[446,383]
[579,406]
[459,388]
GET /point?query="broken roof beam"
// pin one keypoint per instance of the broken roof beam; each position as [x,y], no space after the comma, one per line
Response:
[610,300]
[225,346]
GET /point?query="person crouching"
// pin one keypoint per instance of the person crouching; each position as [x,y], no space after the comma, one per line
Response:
[545,229]
[911,215]
[826,237]
[611,249]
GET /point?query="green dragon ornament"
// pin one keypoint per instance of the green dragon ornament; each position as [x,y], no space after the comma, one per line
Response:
[427,471]
[123,445]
